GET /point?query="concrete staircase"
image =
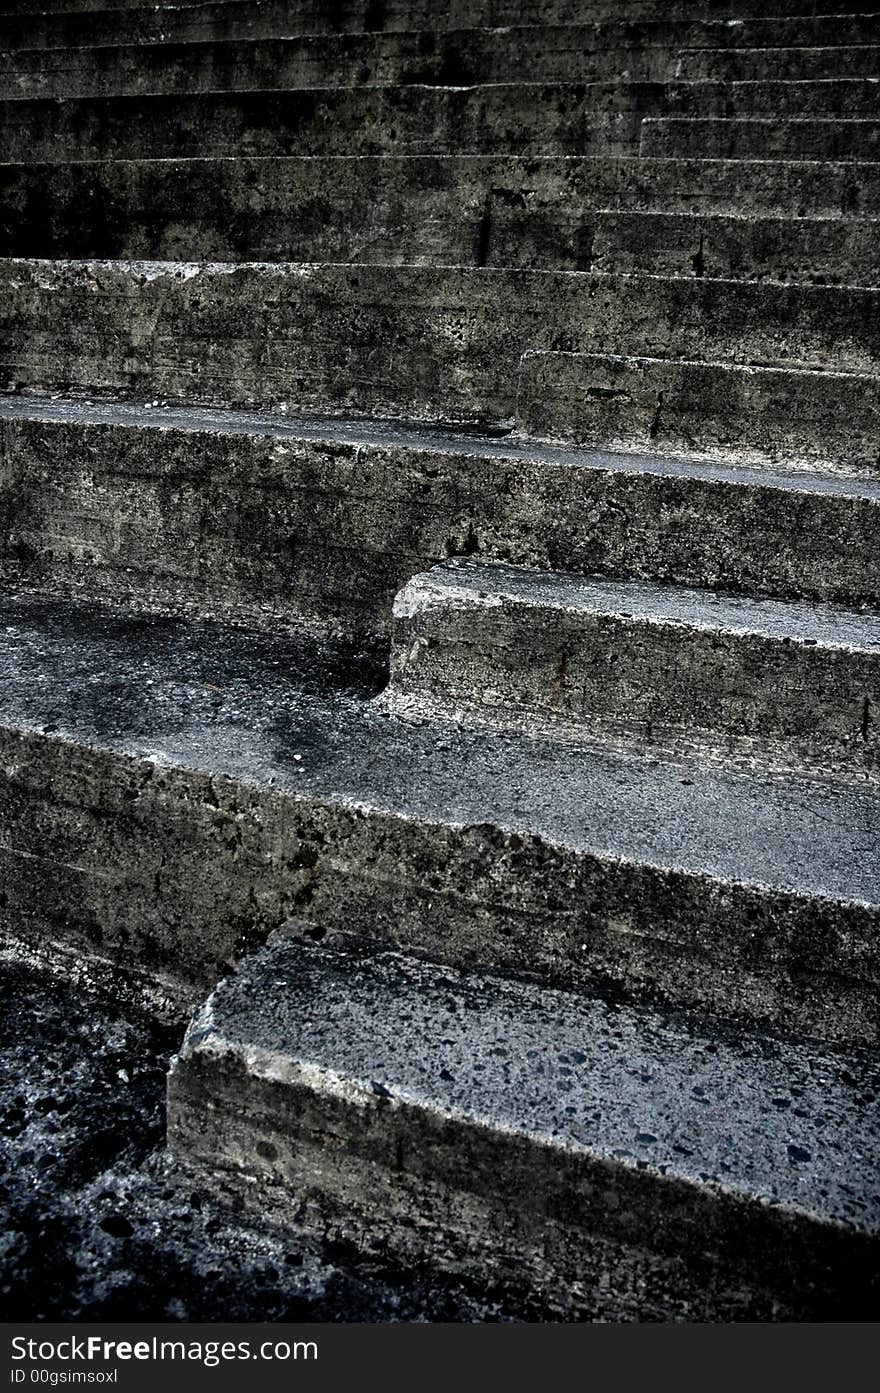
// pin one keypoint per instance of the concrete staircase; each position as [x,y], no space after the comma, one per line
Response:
[441,617]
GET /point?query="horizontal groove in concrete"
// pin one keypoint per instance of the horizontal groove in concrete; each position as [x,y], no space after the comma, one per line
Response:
[390,340]
[760,138]
[712,409]
[270,521]
[506,118]
[607,1125]
[451,59]
[807,221]
[653,664]
[216,781]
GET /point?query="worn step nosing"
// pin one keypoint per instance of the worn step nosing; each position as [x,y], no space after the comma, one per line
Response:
[291,1049]
[465,585]
[196,509]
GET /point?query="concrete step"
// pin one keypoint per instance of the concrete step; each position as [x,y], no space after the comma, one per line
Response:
[658,666]
[742,64]
[502,118]
[471,210]
[270,521]
[717,138]
[456,58]
[609,1151]
[171,792]
[825,251]
[712,410]
[268,19]
[262,520]
[395,341]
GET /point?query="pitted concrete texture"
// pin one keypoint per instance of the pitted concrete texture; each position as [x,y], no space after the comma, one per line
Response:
[760,137]
[273,521]
[656,664]
[191,786]
[637,23]
[671,217]
[749,1161]
[743,412]
[332,351]
[743,64]
[456,58]
[390,340]
[825,251]
[562,118]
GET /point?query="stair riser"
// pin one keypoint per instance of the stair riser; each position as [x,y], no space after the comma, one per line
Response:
[463,212]
[254,527]
[735,248]
[178,873]
[375,59]
[401,120]
[395,1168]
[701,409]
[774,65]
[504,119]
[633,23]
[638,680]
[761,139]
[394,341]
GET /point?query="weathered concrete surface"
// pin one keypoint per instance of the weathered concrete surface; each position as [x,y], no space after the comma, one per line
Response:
[392,341]
[99,1224]
[743,64]
[567,214]
[710,409]
[456,58]
[366,121]
[505,118]
[634,23]
[820,250]
[172,793]
[660,666]
[273,522]
[756,138]
[583,1138]
[173,790]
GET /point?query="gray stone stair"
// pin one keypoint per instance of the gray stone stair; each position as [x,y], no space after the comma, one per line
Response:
[193,785]
[563,118]
[438,537]
[454,59]
[603,1138]
[760,137]
[45,25]
[678,218]
[823,250]
[437,343]
[716,410]
[745,64]
[263,519]
[654,665]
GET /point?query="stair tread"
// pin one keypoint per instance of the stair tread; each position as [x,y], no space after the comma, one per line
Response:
[828,626]
[425,437]
[147,688]
[779,1122]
